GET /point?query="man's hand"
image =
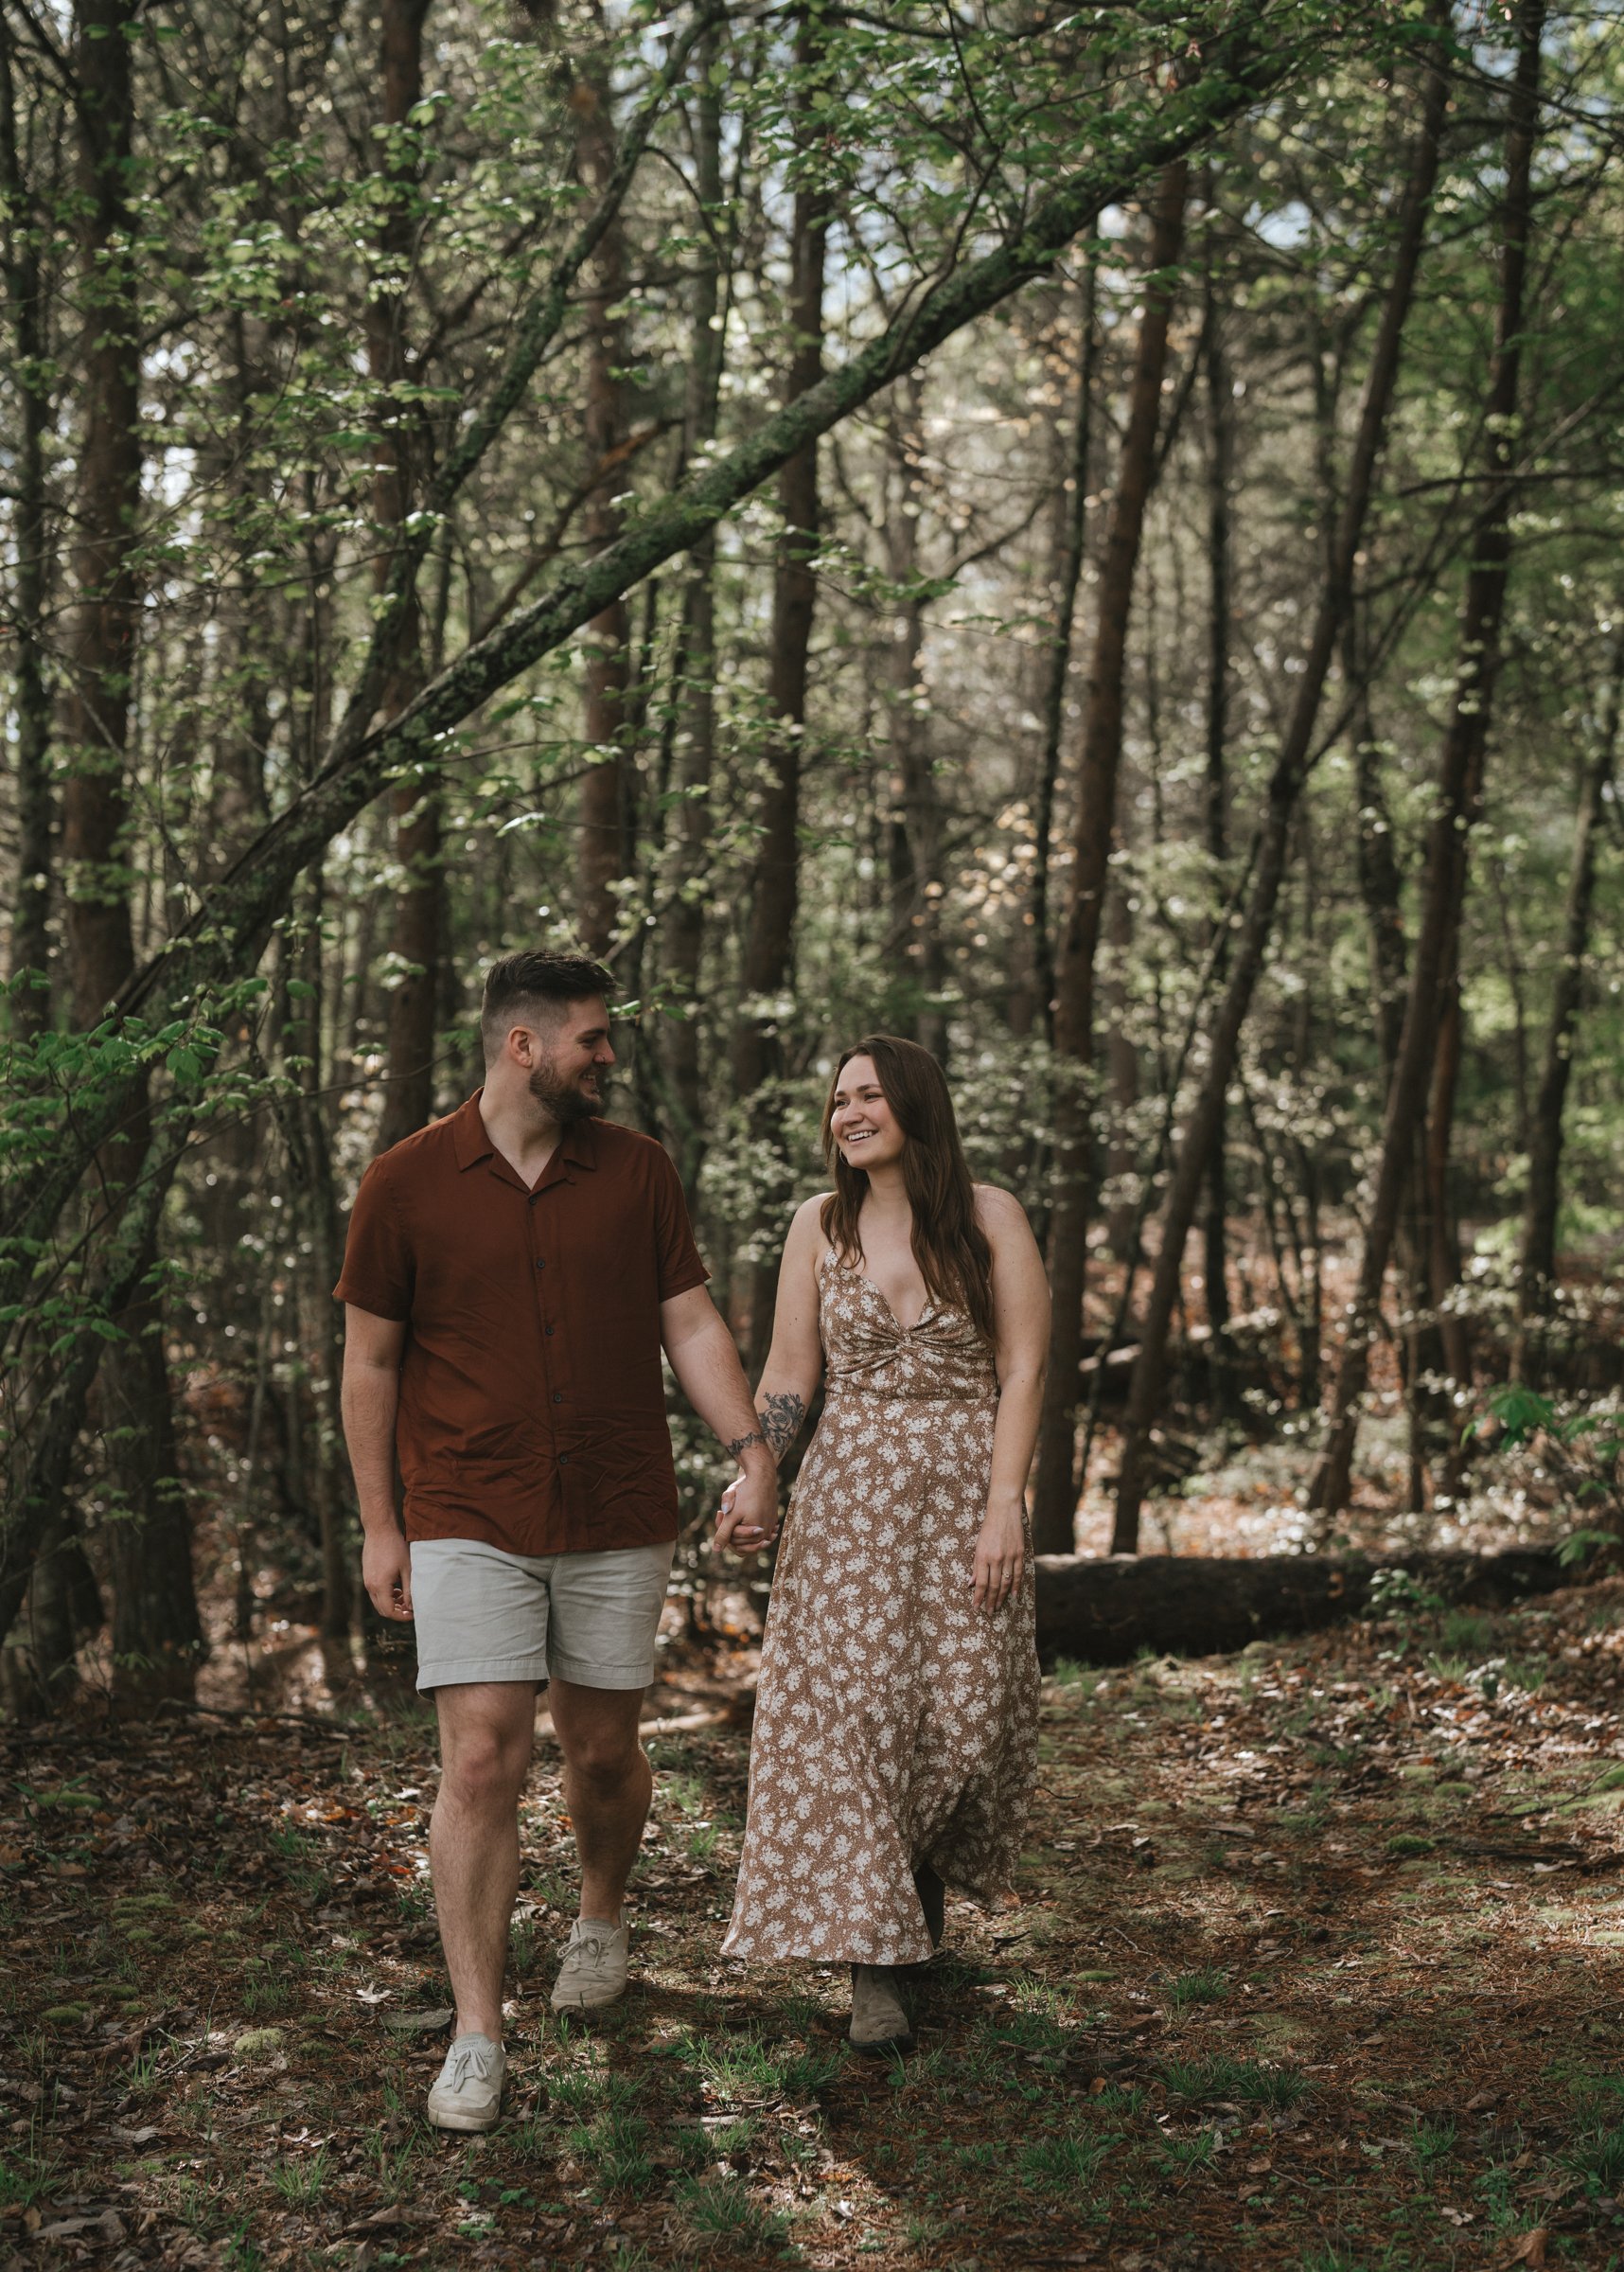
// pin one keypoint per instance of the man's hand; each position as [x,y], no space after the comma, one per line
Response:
[748,1517]
[386,1572]
[1001,1557]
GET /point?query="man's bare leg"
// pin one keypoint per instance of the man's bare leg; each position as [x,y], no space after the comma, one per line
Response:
[607,1784]
[487,1728]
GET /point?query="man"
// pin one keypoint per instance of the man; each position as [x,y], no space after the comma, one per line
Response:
[510,1276]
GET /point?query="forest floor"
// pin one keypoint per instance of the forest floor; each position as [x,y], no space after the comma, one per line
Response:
[1316,1965]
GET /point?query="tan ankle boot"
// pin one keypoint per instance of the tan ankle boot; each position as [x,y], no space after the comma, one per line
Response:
[878,2021]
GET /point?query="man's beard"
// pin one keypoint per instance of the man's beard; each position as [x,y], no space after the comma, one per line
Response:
[563,1100]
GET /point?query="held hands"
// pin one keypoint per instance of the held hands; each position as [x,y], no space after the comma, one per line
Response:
[748,1517]
[386,1571]
[1001,1557]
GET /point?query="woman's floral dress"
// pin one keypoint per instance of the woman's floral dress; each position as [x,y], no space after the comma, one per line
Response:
[896,1723]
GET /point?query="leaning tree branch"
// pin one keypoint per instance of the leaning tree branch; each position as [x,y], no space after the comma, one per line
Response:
[1247,59]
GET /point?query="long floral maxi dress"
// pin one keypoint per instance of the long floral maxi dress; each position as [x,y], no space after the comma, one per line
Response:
[896,1723]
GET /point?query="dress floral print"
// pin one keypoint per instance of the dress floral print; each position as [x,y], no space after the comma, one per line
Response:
[895,1724]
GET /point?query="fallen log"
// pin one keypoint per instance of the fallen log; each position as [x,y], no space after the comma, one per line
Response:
[1105,1610]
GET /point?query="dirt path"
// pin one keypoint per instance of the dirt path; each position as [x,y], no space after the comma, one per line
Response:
[1317,1967]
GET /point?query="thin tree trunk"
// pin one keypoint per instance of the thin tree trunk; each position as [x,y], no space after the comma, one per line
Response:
[157,1637]
[1536,1277]
[776,881]
[916,912]
[1064,587]
[1221,455]
[316,1201]
[417,944]
[1459,787]
[1122,1064]
[1252,941]
[1054,1505]
[26,297]
[1379,884]
[606,792]
[695,753]
[1443,1221]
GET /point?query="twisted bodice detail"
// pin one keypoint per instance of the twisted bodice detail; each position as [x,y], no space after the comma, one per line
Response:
[942,1359]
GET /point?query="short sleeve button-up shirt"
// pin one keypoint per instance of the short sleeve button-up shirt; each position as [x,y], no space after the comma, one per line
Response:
[532,1409]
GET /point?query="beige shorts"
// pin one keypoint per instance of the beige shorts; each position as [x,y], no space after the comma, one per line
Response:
[483,1614]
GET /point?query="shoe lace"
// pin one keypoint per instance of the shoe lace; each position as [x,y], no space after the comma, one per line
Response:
[469,2058]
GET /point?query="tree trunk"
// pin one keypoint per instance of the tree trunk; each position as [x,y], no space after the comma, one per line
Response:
[1379,885]
[1291,768]
[916,910]
[1064,587]
[1458,788]
[26,305]
[1111,1612]
[1122,1215]
[684,924]
[606,793]
[1054,1507]
[775,880]
[1219,479]
[157,1637]
[1536,1277]
[316,1199]
[418,944]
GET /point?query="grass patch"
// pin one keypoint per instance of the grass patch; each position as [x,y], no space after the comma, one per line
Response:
[750,2068]
[1066,2161]
[613,2147]
[1431,2142]
[722,2209]
[1205,1986]
[1185,2155]
[301,2184]
[1246,2080]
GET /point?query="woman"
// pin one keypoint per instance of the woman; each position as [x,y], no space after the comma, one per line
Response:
[897,1719]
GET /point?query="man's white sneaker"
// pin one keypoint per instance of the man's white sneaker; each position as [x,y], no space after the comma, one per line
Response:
[594,1966]
[467,2094]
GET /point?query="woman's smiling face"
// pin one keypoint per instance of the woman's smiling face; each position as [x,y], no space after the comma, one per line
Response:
[860,1120]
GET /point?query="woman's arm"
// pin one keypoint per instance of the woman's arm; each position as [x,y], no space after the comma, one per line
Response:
[1020,1322]
[795,1362]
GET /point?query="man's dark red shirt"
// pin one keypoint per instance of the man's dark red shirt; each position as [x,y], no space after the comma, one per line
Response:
[532,1401]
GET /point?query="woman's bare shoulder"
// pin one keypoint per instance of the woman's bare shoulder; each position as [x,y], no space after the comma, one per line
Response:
[806,1225]
[997,1209]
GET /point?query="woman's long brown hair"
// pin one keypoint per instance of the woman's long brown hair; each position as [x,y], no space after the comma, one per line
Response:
[949,1245]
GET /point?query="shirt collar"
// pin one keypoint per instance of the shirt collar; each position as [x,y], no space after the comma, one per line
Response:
[579,1144]
[469,1137]
[578,1147]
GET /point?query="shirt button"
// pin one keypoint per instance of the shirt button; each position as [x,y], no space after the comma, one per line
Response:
[549,1333]
[557,1393]
[540,1264]
[563,1459]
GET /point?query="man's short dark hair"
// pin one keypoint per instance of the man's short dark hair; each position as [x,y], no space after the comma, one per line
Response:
[539,983]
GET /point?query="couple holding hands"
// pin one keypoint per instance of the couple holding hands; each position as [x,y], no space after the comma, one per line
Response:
[511,1277]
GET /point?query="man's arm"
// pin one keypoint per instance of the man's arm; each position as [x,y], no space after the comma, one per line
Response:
[372,1352]
[708,1373]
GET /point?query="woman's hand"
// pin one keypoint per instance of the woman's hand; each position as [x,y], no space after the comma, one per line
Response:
[748,1517]
[1000,1556]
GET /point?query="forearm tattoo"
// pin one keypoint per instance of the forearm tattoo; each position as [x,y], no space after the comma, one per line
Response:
[780,1417]
[740,1444]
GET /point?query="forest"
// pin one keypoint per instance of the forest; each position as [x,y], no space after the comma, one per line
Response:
[1085,538]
